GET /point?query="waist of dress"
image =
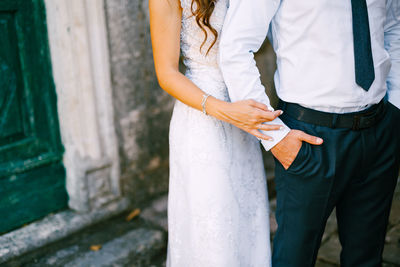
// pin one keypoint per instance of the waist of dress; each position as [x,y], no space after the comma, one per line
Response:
[209,73]
[209,80]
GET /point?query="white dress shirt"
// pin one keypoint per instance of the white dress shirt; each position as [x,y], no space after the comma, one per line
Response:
[313,41]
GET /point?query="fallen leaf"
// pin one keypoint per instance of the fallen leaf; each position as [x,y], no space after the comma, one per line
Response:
[95,247]
[132,215]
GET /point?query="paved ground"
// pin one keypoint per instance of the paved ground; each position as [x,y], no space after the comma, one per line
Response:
[141,242]
[125,240]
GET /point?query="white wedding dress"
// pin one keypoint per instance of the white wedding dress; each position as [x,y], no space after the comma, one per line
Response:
[218,204]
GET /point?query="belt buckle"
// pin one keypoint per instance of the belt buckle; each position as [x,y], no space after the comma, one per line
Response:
[356,122]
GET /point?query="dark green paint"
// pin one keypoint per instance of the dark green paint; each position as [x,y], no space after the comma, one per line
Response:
[32,177]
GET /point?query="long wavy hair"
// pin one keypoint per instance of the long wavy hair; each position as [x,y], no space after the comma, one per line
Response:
[202,10]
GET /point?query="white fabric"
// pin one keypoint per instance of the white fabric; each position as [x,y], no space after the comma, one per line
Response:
[313,41]
[218,203]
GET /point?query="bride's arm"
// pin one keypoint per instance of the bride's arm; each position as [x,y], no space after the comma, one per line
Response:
[165,24]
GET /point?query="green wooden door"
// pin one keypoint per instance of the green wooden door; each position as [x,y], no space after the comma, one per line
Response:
[32,177]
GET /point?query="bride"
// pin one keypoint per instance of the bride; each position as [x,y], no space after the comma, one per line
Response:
[218,203]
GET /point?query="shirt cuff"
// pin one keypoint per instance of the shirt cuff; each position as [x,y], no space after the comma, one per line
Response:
[277,135]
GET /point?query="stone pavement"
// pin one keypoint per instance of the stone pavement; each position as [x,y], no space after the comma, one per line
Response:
[141,242]
[117,242]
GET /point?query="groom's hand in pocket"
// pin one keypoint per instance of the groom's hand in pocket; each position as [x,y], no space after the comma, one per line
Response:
[286,150]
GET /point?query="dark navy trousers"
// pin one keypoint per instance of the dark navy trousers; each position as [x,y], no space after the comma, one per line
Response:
[355,171]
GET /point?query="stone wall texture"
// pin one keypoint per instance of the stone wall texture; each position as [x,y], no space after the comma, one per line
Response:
[142,108]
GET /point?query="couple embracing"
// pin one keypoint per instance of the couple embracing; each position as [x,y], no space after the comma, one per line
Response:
[335,136]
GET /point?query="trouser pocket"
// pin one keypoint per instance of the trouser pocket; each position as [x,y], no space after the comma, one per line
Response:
[309,158]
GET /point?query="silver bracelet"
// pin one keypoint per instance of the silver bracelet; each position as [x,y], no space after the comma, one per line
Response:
[203,103]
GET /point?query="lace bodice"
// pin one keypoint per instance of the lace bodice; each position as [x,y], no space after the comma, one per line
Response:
[197,61]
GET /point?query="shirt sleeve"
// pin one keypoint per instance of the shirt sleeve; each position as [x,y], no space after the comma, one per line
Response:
[245,29]
[392,45]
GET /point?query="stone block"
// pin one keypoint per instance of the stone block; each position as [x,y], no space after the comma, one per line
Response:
[330,228]
[330,251]
[391,254]
[51,229]
[99,183]
[136,248]
[156,213]
[394,218]
[142,109]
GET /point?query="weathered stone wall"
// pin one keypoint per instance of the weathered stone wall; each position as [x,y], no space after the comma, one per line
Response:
[142,109]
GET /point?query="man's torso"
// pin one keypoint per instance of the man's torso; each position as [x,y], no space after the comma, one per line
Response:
[313,40]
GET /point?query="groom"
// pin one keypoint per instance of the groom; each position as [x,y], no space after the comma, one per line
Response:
[338,80]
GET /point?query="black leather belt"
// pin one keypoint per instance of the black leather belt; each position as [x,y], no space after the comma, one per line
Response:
[356,121]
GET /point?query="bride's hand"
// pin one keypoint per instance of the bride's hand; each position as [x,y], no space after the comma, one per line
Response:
[248,115]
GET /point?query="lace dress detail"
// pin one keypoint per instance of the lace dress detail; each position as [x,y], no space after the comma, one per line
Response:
[218,203]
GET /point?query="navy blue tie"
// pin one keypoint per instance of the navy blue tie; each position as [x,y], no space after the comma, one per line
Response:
[364,64]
